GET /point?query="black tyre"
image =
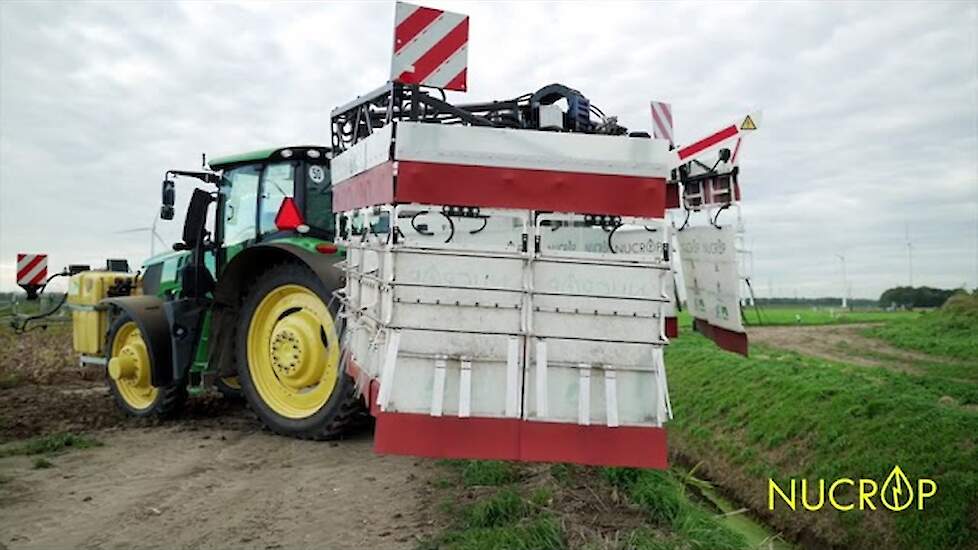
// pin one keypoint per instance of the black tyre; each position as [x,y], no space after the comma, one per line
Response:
[128,374]
[288,355]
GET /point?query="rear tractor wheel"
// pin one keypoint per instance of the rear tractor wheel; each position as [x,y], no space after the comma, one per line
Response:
[128,374]
[288,347]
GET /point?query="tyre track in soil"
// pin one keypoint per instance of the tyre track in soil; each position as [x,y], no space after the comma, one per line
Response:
[169,487]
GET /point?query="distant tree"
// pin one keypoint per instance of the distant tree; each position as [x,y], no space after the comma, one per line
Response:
[910,297]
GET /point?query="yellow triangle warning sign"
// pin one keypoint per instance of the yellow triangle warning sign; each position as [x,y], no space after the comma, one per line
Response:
[748,124]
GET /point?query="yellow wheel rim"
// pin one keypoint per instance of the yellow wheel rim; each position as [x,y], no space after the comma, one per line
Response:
[293,351]
[129,367]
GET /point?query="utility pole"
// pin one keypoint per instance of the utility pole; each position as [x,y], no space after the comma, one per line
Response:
[845,282]
[909,255]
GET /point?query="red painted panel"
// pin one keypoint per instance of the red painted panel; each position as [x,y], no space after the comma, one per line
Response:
[447,436]
[513,439]
[634,446]
[672,195]
[724,338]
[375,186]
[672,327]
[486,186]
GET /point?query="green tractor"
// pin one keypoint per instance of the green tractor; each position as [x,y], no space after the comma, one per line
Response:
[244,302]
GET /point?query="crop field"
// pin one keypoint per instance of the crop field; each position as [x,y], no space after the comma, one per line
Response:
[824,395]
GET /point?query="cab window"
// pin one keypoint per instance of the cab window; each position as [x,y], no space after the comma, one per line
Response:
[240,193]
[278,182]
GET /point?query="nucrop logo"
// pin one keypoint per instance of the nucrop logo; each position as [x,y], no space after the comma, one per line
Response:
[896,493]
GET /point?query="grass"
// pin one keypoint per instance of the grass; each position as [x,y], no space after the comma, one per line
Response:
[951,331]
[783,316]
[781,415]
[41,463]
[530,511]
[50,444]
[662,495]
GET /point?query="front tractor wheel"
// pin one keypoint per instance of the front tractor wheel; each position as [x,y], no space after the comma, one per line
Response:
[128,374]
[288,348]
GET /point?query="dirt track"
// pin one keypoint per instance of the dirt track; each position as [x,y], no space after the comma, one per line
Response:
[174,487]
[841,343]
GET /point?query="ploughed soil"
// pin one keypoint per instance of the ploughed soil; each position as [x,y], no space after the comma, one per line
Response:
[214,478]
[210,479]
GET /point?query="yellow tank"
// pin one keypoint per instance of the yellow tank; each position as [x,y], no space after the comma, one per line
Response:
[89,323]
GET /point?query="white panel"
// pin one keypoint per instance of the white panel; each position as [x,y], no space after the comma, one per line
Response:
[503,147]
[611,397]
[709,259]
[542,401]
[369,152]
[513,379]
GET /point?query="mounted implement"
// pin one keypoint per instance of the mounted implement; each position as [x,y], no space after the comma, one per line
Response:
[487,280]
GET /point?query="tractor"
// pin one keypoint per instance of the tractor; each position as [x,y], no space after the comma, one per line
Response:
[243,303]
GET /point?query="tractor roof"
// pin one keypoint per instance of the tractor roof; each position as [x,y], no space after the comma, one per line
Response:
[295,151]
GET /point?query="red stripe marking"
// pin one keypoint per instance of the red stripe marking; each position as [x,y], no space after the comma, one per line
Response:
[435,183]
[374,186]
[30,265]
[20,257]
[724,338]
[438,54]
[660,125]
[458,82]
[515,439]
[708,142]
[667,110]
[413,25]
[672,327]
[733,158]
[40,277]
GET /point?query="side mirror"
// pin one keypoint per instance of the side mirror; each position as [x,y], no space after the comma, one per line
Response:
[169,197]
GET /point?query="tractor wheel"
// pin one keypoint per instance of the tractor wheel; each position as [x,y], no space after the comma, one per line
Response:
[128,374]
[288,348]
[229,387]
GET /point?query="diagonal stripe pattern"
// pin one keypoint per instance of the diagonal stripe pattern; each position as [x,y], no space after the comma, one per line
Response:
[430,47]
[662,121]
[32,269]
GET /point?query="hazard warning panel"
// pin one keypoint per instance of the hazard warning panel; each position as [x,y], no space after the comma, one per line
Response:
[32,269]
[430,47]
[662,121]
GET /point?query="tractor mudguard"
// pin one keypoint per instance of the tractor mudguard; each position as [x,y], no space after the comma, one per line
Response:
[234,279]
[150,316]
[185,318]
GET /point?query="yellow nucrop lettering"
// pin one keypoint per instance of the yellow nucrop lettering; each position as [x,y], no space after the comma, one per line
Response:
[896,493]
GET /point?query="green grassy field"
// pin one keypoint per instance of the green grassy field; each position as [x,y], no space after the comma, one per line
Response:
[780,415]
[951,331]
[783,316]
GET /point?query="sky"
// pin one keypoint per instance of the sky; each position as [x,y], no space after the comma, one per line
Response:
[869,135]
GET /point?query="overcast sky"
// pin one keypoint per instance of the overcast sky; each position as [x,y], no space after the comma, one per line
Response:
[870,112]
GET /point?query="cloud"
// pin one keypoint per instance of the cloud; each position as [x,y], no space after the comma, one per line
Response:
[870,124]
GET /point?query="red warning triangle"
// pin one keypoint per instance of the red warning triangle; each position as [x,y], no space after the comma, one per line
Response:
[288,216]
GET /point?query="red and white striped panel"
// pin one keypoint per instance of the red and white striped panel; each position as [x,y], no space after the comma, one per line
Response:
[662,121]
[32,269]
[430,47]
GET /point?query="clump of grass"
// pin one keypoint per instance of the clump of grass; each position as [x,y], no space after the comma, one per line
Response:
[662,496]
[51,444]
[508,517]
[10,380]
[489,473]
[41,463]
